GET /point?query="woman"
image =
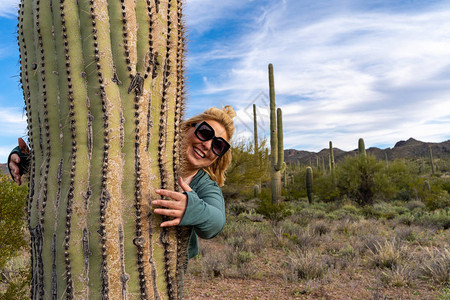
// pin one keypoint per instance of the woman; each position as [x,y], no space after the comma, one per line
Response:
[205,160]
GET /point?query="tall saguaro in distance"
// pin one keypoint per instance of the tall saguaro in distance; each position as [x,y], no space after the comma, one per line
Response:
[277,164]
[103,83]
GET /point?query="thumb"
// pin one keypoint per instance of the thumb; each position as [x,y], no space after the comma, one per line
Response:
[23,146]
[184,185]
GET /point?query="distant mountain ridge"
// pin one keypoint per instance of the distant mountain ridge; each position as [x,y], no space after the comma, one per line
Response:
[410,148]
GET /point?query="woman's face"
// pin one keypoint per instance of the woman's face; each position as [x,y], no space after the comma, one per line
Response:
[199,153]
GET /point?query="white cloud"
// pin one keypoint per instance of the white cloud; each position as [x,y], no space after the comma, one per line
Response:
[8,8]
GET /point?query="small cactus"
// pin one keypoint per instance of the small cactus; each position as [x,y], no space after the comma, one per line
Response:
[309,184]
[361,148]
[255,130]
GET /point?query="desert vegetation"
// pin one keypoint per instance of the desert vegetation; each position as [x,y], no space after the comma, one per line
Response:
[374,229]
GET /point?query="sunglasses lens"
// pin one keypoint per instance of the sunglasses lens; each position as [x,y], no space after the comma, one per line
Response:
[204,132]
[218,146]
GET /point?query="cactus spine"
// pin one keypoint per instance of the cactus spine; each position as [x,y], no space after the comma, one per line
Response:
[276,142]
[104,93]
[309,184]
[361,148]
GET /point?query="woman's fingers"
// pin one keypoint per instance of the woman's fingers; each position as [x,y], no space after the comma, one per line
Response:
[14,166]
[173,222]
[167,204]
[169,212]
[171,194]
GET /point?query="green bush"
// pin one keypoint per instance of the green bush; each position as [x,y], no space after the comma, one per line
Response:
[12,218]
[13,277]
[273,211]
[356,179]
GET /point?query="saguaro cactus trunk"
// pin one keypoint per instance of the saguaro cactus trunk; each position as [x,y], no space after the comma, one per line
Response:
[361,148]
[104,91]
[276,142]
[309,184]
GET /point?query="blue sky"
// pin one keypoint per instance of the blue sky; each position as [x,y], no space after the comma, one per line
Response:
[344,69]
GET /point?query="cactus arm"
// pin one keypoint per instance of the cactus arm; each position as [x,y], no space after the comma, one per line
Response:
[280,159]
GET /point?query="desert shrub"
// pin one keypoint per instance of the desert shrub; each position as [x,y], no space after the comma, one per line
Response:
[211,263]
[387,254]
[406,219]
[346,212]
[325,188]
[403,233]
[436,264]
[246,168]
[320,228]
[356,178]
[305,265]
[398,276]
[14,277]
[415,205]
[246,236]
[380,210]
[12,218]
[437,219]
[273,211]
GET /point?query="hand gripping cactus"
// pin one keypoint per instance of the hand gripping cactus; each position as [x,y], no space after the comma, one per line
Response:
[276,142]
[104,91]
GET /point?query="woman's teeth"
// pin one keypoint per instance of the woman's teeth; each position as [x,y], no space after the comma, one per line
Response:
[200,153]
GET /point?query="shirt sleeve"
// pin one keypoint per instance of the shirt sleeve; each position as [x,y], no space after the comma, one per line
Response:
[205,211]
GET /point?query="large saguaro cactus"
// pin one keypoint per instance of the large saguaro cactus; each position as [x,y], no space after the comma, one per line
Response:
[104,91]
[276,142]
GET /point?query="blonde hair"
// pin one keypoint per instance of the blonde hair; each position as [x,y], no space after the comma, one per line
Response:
[225,117]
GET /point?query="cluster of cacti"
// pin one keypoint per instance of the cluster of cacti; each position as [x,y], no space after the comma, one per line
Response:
[361,148]
[276,142]
[104,89]
[309,184]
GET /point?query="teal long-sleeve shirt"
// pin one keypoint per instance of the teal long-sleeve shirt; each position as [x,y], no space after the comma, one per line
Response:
[205,210]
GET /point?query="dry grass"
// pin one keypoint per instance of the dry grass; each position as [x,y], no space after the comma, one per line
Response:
[324,258]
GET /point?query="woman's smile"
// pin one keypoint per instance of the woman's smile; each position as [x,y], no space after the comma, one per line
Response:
[199,152]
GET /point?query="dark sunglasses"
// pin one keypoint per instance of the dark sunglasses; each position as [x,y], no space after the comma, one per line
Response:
[204,132]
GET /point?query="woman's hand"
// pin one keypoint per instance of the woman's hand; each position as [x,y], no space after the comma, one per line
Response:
[173,208]
[14,161]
